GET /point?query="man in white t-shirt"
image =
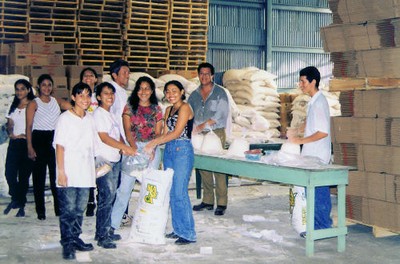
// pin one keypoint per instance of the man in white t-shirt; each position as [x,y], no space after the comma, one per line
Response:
[317,140]
[119,71]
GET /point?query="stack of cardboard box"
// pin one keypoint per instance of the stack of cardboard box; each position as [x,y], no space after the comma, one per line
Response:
[367,134]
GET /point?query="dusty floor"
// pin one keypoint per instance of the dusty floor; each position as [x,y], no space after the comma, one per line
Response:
[255,229]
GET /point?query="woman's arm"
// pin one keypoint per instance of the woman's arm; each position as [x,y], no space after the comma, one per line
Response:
[10,128]
[126,121]
[106,139]
[62,177]
[185,113]
[64,104]
[30,114]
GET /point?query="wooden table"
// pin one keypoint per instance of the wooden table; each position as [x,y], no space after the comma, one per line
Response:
[331,175]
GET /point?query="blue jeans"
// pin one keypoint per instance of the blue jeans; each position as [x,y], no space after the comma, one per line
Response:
[179,156]
[125,188]
[106,188]
[323,207]
[72,202]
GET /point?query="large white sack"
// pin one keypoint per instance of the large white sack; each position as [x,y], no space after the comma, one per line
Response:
[259,123]
[299,213]
[151,215]
[211,144]
[238,147]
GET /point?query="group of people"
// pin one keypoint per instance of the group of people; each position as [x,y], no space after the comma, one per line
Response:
[102,124]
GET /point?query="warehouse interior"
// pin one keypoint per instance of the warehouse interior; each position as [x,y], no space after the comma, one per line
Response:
[257,48]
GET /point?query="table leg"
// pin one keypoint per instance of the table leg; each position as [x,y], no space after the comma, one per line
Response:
[198,184]
[310,191]
[341,208]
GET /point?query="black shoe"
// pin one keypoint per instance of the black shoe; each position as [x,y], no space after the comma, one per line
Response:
[182,241]
[303,234]
[41,217]
[68,251]
[106,242]
[82,246]
[12,205]
[220,210]
[21,212]
[111,235]
[90,209]
[172,235]
[203,206]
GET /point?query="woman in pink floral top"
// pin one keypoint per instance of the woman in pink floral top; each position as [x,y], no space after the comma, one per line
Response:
[143,121]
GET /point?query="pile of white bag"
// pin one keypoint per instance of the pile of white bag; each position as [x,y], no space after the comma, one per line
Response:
[300,104]
[255,93]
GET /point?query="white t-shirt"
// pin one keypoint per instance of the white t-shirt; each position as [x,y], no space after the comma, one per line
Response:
[19,119]
[121,98]
[93,104]
[77,136]
[106,122]
[318,119]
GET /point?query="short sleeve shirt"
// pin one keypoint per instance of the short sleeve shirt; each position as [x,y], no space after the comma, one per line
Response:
[144,121]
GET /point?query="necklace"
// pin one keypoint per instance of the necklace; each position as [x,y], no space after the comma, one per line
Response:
[73,110]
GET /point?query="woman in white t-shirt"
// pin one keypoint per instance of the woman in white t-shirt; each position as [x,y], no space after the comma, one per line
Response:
[74,141]
[18,165]
[109,148]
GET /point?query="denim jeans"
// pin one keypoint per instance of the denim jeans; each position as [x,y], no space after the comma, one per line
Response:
[125,188]
[72,202]
[179,156]
[323,207]
[106,188]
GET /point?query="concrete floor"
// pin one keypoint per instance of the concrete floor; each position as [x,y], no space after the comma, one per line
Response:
[228,239]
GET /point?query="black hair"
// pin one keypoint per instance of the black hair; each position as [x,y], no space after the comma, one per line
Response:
[116,66]
[206,65]
[43,77]
[100,87]
[311,73]
[78,89]
[16,101]
[177,84]
[88,69]
[133,99]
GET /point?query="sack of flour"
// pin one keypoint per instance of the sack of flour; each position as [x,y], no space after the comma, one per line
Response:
[299,213]
[151,215]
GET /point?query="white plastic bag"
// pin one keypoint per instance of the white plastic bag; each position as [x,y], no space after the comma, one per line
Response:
[151,215]
[211,144]
[299,214]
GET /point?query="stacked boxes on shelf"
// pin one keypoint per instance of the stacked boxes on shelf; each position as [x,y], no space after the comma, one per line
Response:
[188,34]
[365,51]
[146,34]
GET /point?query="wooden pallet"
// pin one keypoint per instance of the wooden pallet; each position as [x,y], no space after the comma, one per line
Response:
[376,230]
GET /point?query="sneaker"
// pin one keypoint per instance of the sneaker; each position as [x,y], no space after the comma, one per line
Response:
[21,212]
[111,235]
[203,206]
[126,220]
[106,242]
[220,210]
[90,209]
[303,234]
[182,241]
[82,246]
[172,235]
[68,251]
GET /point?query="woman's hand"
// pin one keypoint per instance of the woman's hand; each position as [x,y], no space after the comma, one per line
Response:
[31,153]
[129,151]
[62,179]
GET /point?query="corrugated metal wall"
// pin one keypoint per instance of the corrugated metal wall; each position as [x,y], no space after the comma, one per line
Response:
[237,37]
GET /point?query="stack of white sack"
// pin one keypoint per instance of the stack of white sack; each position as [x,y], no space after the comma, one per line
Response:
[255,93]
[300,105]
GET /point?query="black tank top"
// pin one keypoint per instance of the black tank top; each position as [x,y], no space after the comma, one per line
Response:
[171,123]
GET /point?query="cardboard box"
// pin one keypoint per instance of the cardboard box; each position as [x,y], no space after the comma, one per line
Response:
[54,60]
[384,214]
[35,38]
[381,159]
[60,83]
[28,59]
[61,93]
[74,71]
[357,208]
[54,71]
[20,48]
[4,49]
[47,48]
[357,184]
